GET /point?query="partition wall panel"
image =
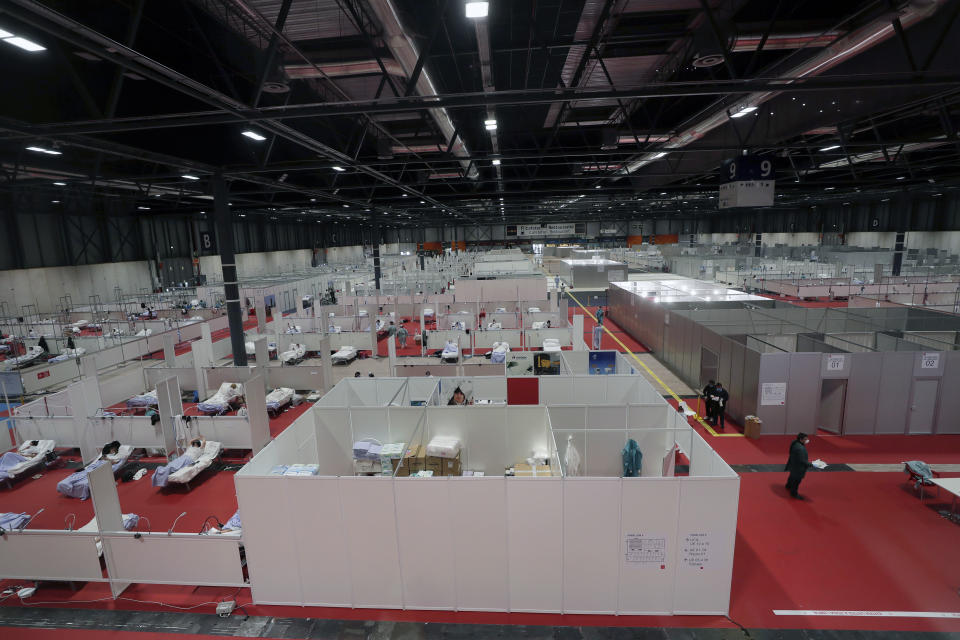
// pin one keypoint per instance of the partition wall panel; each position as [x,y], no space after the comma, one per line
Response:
[893,396]
[863,388]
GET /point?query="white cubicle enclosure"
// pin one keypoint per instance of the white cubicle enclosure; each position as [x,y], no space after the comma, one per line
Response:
[594,543]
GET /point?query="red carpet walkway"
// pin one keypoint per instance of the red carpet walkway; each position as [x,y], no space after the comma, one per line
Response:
[606,342]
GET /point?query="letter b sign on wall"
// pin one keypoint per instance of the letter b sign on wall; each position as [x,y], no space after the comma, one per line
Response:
[208,242]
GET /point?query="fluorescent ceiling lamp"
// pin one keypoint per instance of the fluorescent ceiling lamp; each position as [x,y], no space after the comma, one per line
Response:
[496,163]
[831,147]
[144,208]
[24,44]
[341,169]
[253,135]
[189,177]
[477,9]
[42,150]
[55,201]
[491,125]
[60,184]
[657,156]
[742,112]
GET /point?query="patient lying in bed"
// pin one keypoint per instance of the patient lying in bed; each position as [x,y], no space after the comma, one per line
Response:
[161,475]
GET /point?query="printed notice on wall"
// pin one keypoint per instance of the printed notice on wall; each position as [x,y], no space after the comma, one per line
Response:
[695,550]
[644,548]
[930,360]
[835,362]
[773,393]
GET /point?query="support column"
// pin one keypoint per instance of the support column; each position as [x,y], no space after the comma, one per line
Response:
[224,225]
[376,250]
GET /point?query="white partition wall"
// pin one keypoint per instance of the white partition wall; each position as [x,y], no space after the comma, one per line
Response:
[596,544]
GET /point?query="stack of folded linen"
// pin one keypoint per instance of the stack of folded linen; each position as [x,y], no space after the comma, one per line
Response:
[279,470]
[363,450]
[388,454]
[443,447]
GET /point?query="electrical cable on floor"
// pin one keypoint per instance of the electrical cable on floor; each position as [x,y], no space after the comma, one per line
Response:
[107,598]
[742,628]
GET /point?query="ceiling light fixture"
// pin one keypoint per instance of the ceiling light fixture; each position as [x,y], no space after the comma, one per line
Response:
[60,184]
[52,152]
[253,135]
[496,163]
[476,10]
[742,111]
[144,208]
[23,43]
[55,201]
[339,169]
[491,124]
[189,177]
[831,147]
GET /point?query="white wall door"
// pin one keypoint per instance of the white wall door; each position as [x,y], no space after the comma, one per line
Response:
[923,406]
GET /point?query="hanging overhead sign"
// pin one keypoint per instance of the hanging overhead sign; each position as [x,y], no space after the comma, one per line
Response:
[557,229]
[747,181]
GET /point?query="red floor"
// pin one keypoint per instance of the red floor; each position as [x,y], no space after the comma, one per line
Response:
[606,342]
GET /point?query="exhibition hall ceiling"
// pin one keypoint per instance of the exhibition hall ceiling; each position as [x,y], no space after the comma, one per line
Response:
[528,111]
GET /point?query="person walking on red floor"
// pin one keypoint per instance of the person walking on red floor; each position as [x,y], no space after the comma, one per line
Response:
[599,316]
[719,397]
[797,464]
[708,401]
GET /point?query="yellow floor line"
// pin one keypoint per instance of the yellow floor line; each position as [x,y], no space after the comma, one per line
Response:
[663,384]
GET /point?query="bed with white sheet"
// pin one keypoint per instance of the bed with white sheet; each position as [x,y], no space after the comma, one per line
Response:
[533,309]
[33,354]
[494,326]
[130,522]
[77,485]
[143,333]
[228,396]
[251,349]
[183,469]
[24,461]
[499,352]
[428,313]
[294,355]
[148,399]
[501,310]
[539,324]
[450,353]
[278,399]
[10,521]
[345,355]
[67,354]
[458,325]
[551,344]
[334,328]
[292,330]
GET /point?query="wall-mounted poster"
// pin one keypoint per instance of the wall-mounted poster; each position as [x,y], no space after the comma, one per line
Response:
[773,393]
[546,363]
[603,363]
[519,363]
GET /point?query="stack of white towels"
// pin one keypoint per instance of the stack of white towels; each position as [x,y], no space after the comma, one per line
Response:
[443,447]
[295,470]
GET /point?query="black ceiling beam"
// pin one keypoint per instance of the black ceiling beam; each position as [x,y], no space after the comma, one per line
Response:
[69,30]
[831,84]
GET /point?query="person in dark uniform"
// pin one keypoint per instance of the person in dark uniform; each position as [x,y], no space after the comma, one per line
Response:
[720,397]
[797,464]
[70,344]
[43,344]
[708,400]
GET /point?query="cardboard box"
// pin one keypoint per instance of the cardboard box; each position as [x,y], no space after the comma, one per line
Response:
[451,467]
[413,460]
[752,427]
[526,471]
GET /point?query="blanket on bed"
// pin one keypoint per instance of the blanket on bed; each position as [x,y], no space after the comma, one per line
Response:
[162,474]
[76,485]
[10,521]
[8,461]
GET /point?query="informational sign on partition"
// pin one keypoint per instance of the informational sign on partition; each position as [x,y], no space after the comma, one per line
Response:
[836,362]
[695,549]
[603,363]
[930,360]
[644,548]
[773,393]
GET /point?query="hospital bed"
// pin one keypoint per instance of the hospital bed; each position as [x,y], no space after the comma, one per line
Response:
[32,354]
[345,355]
[501,310]
[458,325]
[143,333]
[499,352]
[251,349]
[14,465]
[182,469]
[494,326]
[551,344]
[278,399]
[292,330]
[450,353]
[229,394]
[77,485]
[539,324]
[533,309]
[14,521]
[67,354]
[334,328]
[130,522]
[5,348]
[428,313]
[294,355]
[148,399]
